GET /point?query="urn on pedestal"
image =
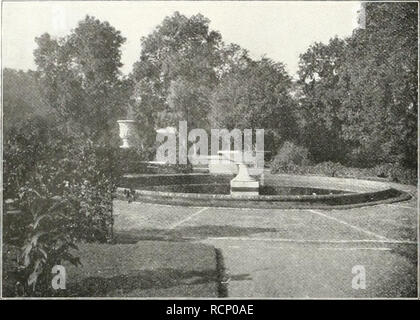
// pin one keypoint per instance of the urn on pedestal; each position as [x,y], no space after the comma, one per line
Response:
[128,133]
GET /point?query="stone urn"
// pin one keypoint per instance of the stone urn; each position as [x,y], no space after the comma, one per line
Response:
[128,133]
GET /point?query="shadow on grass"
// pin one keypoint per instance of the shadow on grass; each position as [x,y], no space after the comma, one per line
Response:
[241,277]
[407,251]
[187,233]
[150,280]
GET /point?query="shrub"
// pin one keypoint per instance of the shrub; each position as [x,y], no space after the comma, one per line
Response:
[382,170]
[62,187]
[133,160]
[395,172]
[329,168]
[392,172]
[289,158]
[174,168]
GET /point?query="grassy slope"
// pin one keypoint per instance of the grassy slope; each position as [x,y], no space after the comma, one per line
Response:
[144,269]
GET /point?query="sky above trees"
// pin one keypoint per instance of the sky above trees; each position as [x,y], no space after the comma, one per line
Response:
[280,30]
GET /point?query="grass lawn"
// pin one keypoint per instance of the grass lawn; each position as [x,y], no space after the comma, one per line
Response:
[143,269]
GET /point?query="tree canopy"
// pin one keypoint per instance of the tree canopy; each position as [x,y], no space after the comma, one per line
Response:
[176,70]
[354,100]
[80,76]
[379,85]
[358,101]
[319,100]
[22,99]
[253,97]
[186,72]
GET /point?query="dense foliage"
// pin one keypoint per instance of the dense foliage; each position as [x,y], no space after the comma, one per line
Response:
[186,72]
[320,102]
[379,75]
[386,171]
[22,99]
[176,72]
[358,96]
[61,187]
[80,78]
[289,157]
[61,159]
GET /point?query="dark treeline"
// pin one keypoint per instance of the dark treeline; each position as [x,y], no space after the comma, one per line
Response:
[354,102]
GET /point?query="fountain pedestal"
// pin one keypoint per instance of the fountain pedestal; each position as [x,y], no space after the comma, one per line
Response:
[243,183]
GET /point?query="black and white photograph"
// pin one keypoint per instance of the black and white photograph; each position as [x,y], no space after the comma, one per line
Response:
[209,150]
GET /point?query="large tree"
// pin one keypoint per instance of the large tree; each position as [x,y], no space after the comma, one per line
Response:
[379,85]
[176,72]
[256,95]
[186,72]
[80,76]
[358,97]
[319,100]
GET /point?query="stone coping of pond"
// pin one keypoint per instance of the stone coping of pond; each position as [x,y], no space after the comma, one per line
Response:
[360,193]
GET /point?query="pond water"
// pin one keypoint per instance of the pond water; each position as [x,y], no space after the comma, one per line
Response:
[225,189]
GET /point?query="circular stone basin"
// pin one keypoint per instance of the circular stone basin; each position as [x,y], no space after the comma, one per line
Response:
[278,191]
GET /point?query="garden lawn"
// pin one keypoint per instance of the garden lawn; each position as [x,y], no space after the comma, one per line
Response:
[143,269]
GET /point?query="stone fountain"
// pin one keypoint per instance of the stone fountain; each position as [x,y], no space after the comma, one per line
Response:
[242,185]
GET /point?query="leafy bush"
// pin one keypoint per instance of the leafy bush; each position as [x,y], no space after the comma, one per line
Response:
[62,189]
[391,172]
[133,160]
[397,173]
[329,168]
[174,168]
[289,158]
